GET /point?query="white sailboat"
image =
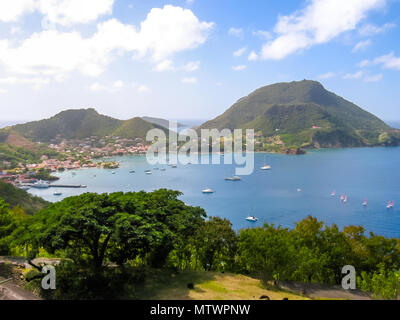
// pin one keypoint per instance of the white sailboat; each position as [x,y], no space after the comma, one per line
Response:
[365,203]
[266,166]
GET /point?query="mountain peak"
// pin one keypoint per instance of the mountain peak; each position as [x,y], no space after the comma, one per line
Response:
[301,108]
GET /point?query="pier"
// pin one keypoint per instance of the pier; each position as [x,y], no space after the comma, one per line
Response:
[76,186]
[67,186]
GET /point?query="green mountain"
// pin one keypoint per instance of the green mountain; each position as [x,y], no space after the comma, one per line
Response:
[305,114]
[161,122]
[83,123]
[135,127]
[21,198]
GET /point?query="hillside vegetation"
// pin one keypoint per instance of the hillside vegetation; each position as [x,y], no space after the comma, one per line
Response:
[17,197]
[15,148]
[83,123]
[306,114]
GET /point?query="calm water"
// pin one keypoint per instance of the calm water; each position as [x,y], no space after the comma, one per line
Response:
[271,195]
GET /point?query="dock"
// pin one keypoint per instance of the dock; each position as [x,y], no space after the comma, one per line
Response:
[76,186]
[67,186]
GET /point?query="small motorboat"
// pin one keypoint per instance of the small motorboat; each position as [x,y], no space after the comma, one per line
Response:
[174,166]
[342,197]
[252,219]
[163,169]
[148,172]
[365,203]
[132,171]
[299,190]
[235,178]
[390,205]
[113,172]
[208,190]
[333,193]
[57,193]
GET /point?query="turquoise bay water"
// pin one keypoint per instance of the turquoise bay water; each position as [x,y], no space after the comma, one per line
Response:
[272,196]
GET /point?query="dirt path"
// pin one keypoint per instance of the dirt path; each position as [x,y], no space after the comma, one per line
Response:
[10,291]
[316,291]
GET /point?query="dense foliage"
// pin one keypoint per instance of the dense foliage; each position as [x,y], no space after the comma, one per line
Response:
[17,197]
[106,241]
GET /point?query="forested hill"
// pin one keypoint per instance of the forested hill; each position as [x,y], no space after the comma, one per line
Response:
[83,123]
[306,114]
[17,197]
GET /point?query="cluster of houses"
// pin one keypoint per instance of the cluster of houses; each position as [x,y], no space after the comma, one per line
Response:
[74,154]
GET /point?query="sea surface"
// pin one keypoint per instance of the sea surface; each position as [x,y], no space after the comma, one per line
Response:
[272,196]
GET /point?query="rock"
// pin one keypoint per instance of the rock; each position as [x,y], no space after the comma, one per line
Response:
[264,298]
[295,151]
[285,299]
[190,286]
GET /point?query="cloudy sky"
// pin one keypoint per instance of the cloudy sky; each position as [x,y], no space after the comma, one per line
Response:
[192,59]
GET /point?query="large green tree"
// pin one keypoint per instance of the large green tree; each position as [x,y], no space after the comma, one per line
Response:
[94,228]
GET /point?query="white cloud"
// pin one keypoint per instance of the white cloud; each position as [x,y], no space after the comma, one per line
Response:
[37,83]
[53,53]
[144,89]
[165,65]
[362,45]
[253,56]
[240,52]
[191,66]
[266,35]
[239,68]
[11,10]
[389,61]
[236,32]
[168,65]
[191,80]
[327,75]
[361,75]
[15,30]
[373,78]
[357,75]
[63,12]
[319,22]
[363,63]
[371,29]
[69,12]
[97,87]
[118,84]
[169,30]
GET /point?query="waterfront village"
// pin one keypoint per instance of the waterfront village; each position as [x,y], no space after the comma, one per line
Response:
[71,154]
[92,152]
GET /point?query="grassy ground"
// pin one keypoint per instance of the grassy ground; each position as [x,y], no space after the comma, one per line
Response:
[165,285]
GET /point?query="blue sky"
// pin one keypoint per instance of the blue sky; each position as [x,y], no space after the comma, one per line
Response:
[192,59]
